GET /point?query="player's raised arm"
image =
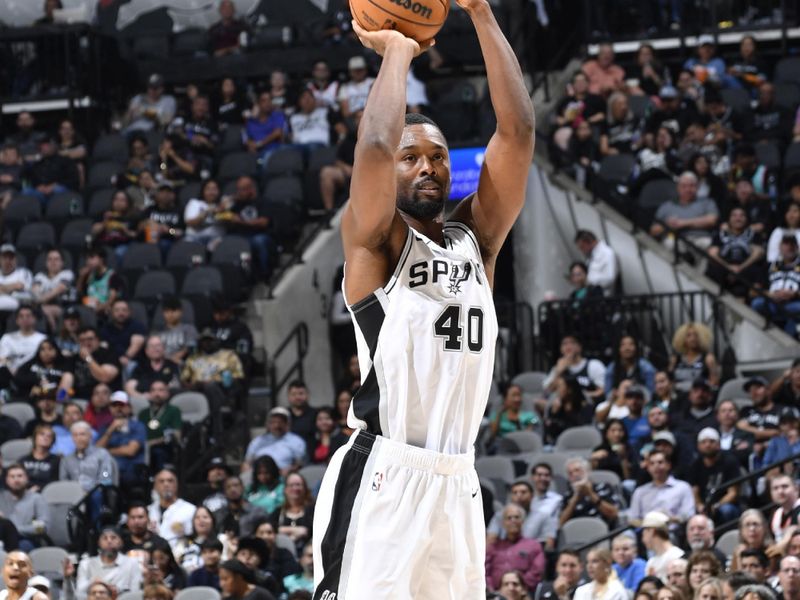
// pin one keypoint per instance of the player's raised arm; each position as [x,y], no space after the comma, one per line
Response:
[501,188]
[367,220]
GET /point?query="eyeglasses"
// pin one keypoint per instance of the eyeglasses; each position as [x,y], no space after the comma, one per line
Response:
[790,571]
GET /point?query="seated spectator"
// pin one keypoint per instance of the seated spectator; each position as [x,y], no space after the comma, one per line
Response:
[748,69]
[41,464]
[254,553]
[510,416]
[179,338]
[709,184]
[655,537]
[199,130]
[732,438]
[569,409]
[177,162]
[151,110]
[569,570]
[98,410]
[25,508]
[636,420]
[140,159]
[324,88]
[762,419]
[15,282]
[604,583]
[736,251]
[98,285]
[646,77]
[664,493]
[245,216]
[698,413]
[136,536]
[116,227]
[700,538]
[123,335]
[789,577]
[786,388]
[747,166]
[154,367]
[18,579]
[689,216]
[264,131]
[584,291]
[604,75]
[295,518]
[711,468]
[615,452]
[279,90]
[786,444]
[10,172]
[589,373]
[88,465]
[576,107]
[164,569]
[207,573]
[792,227]
[27,137]
[725,126]
[707,67]
[189,549]
[51,174]
[213,492]
[172,514]
[514,553]
[328,437]
[200,216]
[234,578]
[782,298]
[676,575]
[587,499]
[71,145]
[756,564]
[628,364]
[162,223]
[125,439]
[156,591]
[310,126]
[64,446]
[230,108]
[45,376]
[19,347]
[583,154]
[53,287]
[629,567]
[280,562]
[234,334]
[693,358]
[164,424]
[601,260]
[267,488]
[143,192]
[354,92]
[757,209]
[224,35]
[702,565]
[657,160]
[305,580]
[238,515]
[770,122]
[621,133]
[334,178]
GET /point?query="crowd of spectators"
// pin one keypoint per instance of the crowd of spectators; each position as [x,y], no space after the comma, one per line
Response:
[702,151]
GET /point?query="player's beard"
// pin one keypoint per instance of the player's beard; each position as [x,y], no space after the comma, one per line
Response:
[419,206]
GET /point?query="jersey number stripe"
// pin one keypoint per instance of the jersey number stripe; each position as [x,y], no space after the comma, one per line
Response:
[449,327]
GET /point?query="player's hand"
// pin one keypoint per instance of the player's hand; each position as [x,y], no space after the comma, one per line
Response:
[379,41]
[469,5]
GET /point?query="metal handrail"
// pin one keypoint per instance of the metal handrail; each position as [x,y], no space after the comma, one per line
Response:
[299,337]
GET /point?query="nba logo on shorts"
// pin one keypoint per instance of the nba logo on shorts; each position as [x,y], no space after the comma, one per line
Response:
[377,480]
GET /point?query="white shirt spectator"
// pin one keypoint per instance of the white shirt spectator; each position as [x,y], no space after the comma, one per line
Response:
[125,573]
[657,564]
[774,243]
[603,269]
[356,93]
[328,96]
[210,227]
[613,590]
[16,349]
[175,522]
[595,370]
[44,284]
[313,128]
[164,108]
[9,302]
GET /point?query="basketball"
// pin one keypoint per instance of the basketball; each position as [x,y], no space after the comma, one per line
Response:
[418,19]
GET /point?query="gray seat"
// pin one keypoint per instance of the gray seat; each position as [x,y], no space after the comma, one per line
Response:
[287,189]
[231,140]
[285,542]
[525,441]
[581,530]
[498,469]
[139,313]
[792,158]
[36,236]
[103,174]
[768,154]
[66,205]
[22,209]
[61,496]
[199,592]
[110,147]
[578,438]
[235,165]
[100,202]
[142,256]
[557,461]
[48,559]
[21,411]
[230,250]
[738,100]
[312,474]
[727,542]
[76,233]
[531,382]
[193,406]
[186,254]
[284,161]
[13,450]
[617,167]
[603,476]
[131,595]
[203,280]
[788,69]
[733,389]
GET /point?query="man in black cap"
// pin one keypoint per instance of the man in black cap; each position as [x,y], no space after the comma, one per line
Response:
[109,566]
[699,412]
[236,582]
[213,493]
[232,332]
[151,110]
[162,223]
[763,418]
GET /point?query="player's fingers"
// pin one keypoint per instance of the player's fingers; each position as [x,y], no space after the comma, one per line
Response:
[426,45]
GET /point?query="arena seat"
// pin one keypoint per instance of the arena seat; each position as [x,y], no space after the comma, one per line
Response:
[578,438]
[580,530]
[13,450]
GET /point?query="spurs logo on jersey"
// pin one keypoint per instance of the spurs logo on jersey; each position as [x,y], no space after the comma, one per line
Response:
[426,345]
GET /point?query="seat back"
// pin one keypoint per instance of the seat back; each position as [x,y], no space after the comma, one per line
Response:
[21,411]
[154,284]
[313,475]
[202,280]
[525,441]
[198,593]
[727,542]
[578,438]
[193,406]
[581,530]
[13,450]
[48,558]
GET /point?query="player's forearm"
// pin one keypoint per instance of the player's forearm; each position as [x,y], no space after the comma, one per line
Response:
[510,100]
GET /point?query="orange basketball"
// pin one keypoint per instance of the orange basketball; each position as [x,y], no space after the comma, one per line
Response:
[418,19]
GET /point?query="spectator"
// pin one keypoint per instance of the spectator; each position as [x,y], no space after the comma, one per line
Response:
[702,565]
[334,178]
[53,287]
[510,416]
[689,216]
[601,260]
[786,388]
[615,453]
[304,580]
[199,131]
[123,335]
[311,125]
[665,494]
[140,159]
[156,591]
[98,285]
[177,162]
[98,411]
[537,525]
[584,291]
[569,569]
[710,469]
[658,159]
[151,110]
[757,210]
[789,577]
[514,553]
[782,298]
[137,537]
[731,438]
[189,549]
[589,373]
[234,578]
[576,107]
[693,358]
[213,494]
[325,89]
[353,94]
[142,193]
[699,411]
[64,445]
[604,583]
[164,569]
[786,444]
[762,419]
[230,106]
[295,518]
[71,145]
[51,174]
[162,223]
[44,376]
[179,338]
[709,184]
[629,567]
[15,282]
[248,220]
[25,508]
[207,573]
[545,501]
[655,537]
[706,67]
[18,347]
[621,133]
[238,515]
[646,77]
[280,561]
[756,564]
[88,465]
[636,421]
[328,439]
[792,220]
[265,130]
[41,464]
[587,499]
[279,90]
[267,488]
[164,423]
[200,216]
[700,537]
[771,122]
[604,75]
[10,172]
[27,137]
[676,574]
[232,332]
[747,166]
[153,368]
[17,574]
[569,409]
[224,35]
[583,153]
[737,252]
[116,228]
[254,553]
[125,439]
[748,70]
[628,364]
[170,514]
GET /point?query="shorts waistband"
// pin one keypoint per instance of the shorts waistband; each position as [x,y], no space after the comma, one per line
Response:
[413,456]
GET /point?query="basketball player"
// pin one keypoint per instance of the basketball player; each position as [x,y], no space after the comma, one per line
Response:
[399,513]
[17,571]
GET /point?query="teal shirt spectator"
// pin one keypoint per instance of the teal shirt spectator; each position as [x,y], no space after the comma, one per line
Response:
[298,581]
[527,420]
[268,499]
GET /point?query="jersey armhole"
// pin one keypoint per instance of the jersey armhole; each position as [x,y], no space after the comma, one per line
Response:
[384,290]
[470,235]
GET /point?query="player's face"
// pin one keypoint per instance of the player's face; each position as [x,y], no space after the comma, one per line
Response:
[16,570]
[423,172]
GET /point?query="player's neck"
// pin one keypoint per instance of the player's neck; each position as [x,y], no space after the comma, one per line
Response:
[432,229]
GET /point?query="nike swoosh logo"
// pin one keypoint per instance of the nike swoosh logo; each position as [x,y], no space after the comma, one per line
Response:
[475,493]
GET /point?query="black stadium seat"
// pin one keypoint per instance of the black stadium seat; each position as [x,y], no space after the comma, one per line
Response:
[186,254]
[153,285]
[190,42]
[142,256]
[287,189]
[100,202]
[36,236]
[235,165]
[76,234]
[769,154]
[653,194]
[284,161]
[111,147]
[22,209]
[202,281]
[64,206]
[787,95]
[791,162]
[788,69]
[103,174]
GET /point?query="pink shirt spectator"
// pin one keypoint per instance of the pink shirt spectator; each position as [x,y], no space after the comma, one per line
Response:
[603,80]
[524,555]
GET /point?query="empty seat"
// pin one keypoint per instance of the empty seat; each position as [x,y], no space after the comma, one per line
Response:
[788,69]
[525,441]
[578,438]
[204,280]
[21,411]
[284,161]
[604,476]
[617,168]
[496,468]
[727,542]
[531,382]
[112,147]
[581,530]
[768,154]
[231,140]
[285,219]
[321,157]
[738,100]
[190,42]
[640,105]
[193,406]
[230,250]
[198,592]
[792,159]
[151,47]
[186,254]
[312,474]
[22,209]
[12,450]
[36,236]
[67,205]
[100,202]
[235,165]
[48,559]
[77,234]
[61,496]
[287,189]
[787,95]
[141,255]
[103,174]
[188,191]
[653,194]
[139,313]
[153,285]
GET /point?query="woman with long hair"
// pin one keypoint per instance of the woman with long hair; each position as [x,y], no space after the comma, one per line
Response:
[328,437]
[295,518]
[41,464]
[709,184]
[53,287]
[670,592]
[747,69]
[230,106]
[343,400]
[702,565]
[163,569]
[187,550]
[615,453]
[621,131]
[71,145]
[512,586]
[200,216]
[710,589]
[569,409]
[67,338]
[754,534]
[604,584]
[629,364]
[267,488]
[791,219]
[693,359]
[117,226]
[510,417]
[48,372]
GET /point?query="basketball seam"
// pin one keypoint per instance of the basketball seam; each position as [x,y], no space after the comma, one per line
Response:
[388,12]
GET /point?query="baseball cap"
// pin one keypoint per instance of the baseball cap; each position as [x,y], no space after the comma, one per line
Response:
[239,568]
[708,433]
[72,313]
[206,333]
[665,436]
[668,91]
[706,40]
[165,183]
[8,249]
[110,529]
[217,463]
[119,397]
[356,62]
[701,382]
[655,519]
[39,582]
[280,411]
[756,380]
[155,80]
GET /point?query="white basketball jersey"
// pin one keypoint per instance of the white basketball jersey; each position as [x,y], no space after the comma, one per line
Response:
[426,346]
